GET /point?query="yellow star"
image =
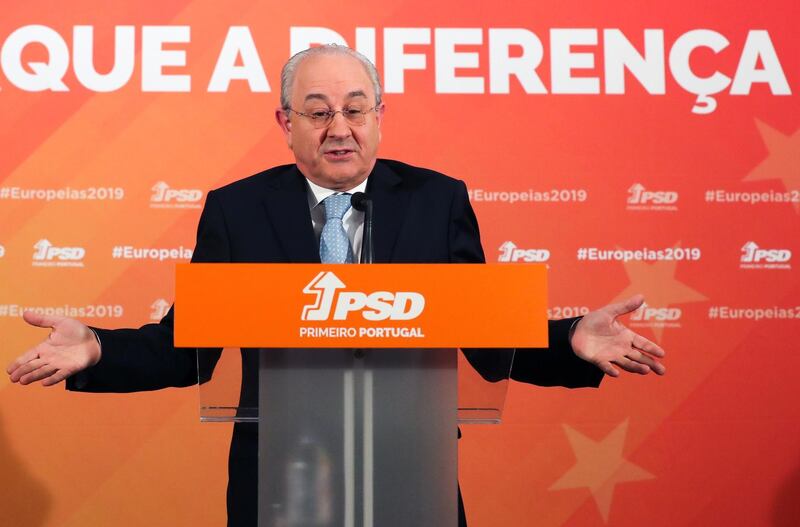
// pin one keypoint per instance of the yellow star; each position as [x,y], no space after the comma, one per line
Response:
[600,466]
[658,284]
[783,161]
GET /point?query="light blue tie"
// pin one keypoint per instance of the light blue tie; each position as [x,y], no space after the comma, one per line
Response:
[334,245]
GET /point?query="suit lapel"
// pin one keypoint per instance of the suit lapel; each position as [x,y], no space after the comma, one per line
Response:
[286,206]
[389,209]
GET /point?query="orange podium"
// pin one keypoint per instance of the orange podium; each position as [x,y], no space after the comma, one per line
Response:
[354,375]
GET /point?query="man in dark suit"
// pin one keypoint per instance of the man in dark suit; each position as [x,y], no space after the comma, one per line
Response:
[331,112]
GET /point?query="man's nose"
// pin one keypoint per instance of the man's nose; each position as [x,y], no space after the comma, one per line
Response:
[339,127]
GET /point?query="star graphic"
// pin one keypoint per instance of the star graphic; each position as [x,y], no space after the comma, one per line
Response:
[783,160]
[600,466]
[658,284]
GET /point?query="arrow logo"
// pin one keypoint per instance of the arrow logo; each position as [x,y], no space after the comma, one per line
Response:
[324,287]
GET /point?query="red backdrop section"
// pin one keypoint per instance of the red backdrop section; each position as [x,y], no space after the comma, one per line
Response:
[100,192]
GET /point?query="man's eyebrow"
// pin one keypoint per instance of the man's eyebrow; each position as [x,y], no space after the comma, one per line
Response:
[316,96]
[324,98]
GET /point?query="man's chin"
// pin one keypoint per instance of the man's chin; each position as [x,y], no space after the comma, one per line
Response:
[339,177]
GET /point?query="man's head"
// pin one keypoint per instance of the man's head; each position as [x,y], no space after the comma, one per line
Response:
[339,152]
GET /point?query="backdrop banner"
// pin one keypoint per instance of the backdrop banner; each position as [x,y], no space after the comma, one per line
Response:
[650,148]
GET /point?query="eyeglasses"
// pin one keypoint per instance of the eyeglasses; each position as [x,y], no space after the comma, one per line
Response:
[323,118]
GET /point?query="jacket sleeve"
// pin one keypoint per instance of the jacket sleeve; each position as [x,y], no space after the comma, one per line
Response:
[464,235]
[556,365]
[146,358]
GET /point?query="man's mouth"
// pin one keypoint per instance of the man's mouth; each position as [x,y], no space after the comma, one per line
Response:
[339,154]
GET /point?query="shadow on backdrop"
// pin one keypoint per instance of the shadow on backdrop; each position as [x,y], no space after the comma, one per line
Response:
[786,512]
[24,501]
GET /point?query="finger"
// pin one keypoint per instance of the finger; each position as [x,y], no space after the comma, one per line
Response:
[26,368]
[40,319]
[649,346]
[26,357]
[56,378]
[608,369]
[631,366]
[21,365]
[638,356]
[626,306]
[41,373]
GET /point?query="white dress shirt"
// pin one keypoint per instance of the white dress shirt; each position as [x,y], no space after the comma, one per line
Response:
[353,219]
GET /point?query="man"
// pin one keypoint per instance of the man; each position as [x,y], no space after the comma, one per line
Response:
[331,114]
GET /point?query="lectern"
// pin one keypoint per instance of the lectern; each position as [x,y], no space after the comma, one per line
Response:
[357,377]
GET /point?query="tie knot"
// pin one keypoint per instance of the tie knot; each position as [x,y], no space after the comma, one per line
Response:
[336,205]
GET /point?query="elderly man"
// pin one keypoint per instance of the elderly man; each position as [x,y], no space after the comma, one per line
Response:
[331,114]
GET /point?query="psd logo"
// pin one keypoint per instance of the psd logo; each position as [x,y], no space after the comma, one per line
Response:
[165,197]
[509,252]
[754,257]
[160,308]
[48,255]
[647,316]
[379,305]
[639,198]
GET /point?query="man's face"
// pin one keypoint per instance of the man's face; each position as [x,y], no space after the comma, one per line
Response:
[341,155]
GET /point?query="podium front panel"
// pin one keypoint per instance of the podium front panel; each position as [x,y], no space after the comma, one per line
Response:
[357,438]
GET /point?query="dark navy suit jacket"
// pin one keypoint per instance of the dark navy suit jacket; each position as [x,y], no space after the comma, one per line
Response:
[420,216]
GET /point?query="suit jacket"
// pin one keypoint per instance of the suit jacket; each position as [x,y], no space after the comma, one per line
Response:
[420,216]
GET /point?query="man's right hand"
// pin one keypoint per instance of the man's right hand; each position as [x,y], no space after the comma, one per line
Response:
[70,348]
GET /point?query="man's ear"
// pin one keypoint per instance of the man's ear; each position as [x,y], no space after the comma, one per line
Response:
[379,114]
[282,117]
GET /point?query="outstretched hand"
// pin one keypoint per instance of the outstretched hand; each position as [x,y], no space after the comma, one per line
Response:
[600,338]
[70,348]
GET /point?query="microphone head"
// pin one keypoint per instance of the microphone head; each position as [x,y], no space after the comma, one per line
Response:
[359,201]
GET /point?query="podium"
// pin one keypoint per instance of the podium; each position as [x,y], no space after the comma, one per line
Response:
[357,377]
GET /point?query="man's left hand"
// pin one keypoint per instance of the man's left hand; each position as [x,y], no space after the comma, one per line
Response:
[600,338]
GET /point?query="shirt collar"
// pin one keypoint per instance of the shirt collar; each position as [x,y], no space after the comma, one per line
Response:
[318,194]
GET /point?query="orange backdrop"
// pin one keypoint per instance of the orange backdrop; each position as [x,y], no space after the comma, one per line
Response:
[100,193]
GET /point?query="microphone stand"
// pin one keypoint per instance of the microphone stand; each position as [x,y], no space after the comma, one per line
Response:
[362,202]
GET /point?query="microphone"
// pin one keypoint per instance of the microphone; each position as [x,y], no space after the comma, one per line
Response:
[362,202]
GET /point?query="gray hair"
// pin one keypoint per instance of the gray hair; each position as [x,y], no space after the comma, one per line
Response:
[290,68]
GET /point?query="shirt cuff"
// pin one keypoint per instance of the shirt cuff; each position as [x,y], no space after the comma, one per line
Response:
[572,331]
[97,338]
